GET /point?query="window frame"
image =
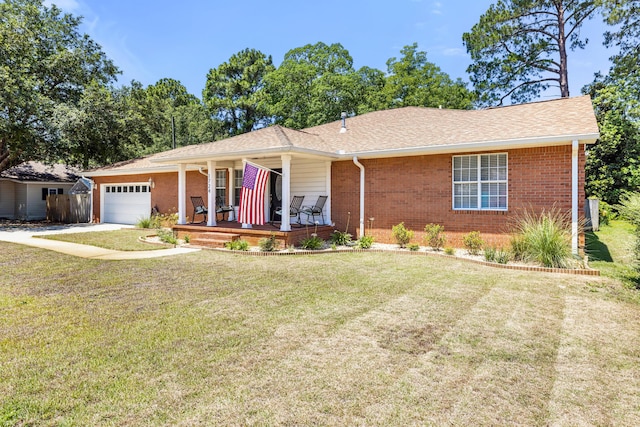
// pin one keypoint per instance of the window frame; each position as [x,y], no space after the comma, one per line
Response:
[221,191]
[238,176]
[478,182]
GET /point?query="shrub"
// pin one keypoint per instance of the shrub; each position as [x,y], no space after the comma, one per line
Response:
[546,238]
[187,238]
[340,238]
[434,236]
[144,223]
[413,247]
[629,208]
[472,242]
[502,256]
[605,212]
[401,234]
[165,235]
[518,247]
[312,243]
[237,245]
[490,254]
[365,242]
[268,244]
[449,250]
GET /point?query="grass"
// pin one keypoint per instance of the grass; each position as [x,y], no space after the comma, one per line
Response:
[341,339]
[121,240]
[610,250]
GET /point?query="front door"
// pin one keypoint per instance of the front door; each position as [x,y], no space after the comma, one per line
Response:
[275,195]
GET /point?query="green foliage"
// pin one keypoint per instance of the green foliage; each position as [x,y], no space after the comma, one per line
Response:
[472,242]
[413,247]
[45,64]
[365,242]
[518,247]
[519,48]
[234,92]
[401,234]
[629,208]
[500,256]
[340,238]
[313,85]
[187,238]
[144,223]
[166,220]
[167,236]
[268,244]
[606,213]
[414,81]
[312,243]
[490,253]
[449,250]
[545,237]
[612,164]
[434,236]
[237,245]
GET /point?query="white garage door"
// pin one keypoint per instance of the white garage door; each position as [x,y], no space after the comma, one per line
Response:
[126,203]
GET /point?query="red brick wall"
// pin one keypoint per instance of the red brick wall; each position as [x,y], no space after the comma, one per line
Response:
[418,190]
[164,195]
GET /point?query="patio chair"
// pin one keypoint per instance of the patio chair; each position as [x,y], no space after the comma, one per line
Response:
[198,208]
[221,208]
[315,210]
[294,208]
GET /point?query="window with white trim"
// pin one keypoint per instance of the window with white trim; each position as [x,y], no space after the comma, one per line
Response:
[221,185]
[238,175]
[480,182]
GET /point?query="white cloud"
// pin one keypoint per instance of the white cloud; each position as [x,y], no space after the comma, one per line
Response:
[454,51]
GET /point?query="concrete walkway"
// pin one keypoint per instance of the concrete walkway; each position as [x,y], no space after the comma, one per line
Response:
[25,236]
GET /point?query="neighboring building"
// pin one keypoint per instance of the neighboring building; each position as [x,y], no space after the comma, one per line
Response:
[464,169]
[24,189]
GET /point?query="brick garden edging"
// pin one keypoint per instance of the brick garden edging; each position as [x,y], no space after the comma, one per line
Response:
[574,271]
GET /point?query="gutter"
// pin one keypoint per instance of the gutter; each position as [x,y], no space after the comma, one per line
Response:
[358,164]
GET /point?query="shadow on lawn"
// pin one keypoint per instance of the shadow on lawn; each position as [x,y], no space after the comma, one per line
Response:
[597,250]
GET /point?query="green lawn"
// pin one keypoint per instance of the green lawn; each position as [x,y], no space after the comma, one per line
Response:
[383,339]
[121,240]
[610,250]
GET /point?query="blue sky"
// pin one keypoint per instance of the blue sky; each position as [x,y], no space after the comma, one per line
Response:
[150,40]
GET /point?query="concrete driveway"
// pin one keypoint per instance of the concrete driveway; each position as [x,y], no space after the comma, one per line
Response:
[23,234]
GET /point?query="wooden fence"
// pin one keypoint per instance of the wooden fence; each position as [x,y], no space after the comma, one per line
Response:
[69,208]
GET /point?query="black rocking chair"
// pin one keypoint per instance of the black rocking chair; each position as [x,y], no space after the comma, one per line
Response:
[294,208]
[221,208]
[315,210]
[198,208]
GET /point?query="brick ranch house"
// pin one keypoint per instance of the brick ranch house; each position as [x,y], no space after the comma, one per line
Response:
[464,169]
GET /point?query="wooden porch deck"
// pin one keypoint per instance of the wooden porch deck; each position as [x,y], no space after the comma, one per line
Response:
[203,235]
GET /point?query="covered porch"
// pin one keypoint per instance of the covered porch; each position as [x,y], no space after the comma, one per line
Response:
[306,176]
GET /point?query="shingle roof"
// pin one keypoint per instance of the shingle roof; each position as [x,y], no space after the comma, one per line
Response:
[39,172]
[410,128]
[427,127]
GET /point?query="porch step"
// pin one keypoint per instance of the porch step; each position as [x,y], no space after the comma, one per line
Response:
[213,239]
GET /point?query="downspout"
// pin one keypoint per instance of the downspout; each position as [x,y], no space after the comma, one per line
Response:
[358,164]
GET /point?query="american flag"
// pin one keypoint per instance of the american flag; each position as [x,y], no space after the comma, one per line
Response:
[252,196]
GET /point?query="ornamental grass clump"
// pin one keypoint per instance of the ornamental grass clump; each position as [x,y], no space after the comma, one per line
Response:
[544,238]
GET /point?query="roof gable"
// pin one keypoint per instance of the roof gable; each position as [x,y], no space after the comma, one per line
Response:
[40,172]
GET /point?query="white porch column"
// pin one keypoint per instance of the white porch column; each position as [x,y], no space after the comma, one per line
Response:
[231,184]
[182,191]
[211,193]
[285,225]
[574,196]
